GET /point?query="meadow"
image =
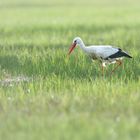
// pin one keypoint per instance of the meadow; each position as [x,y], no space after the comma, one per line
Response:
[46,95]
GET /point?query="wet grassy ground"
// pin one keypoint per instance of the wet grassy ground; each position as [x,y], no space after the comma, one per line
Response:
[52,97]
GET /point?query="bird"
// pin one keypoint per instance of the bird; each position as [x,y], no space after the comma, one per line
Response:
[105,54]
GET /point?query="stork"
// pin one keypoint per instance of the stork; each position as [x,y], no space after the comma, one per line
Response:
[106,54]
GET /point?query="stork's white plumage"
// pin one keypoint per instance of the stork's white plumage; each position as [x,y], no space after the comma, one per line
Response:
[106,54]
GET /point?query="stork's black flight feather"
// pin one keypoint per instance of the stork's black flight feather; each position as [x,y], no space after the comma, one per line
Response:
[119,54]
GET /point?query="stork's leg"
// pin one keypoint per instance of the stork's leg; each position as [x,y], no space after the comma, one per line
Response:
[119,64]
[102,70]
[103,65]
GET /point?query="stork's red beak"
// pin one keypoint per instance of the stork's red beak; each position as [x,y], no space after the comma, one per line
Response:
[71,48]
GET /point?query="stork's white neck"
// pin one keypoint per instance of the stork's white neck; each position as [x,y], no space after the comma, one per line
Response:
[82,46]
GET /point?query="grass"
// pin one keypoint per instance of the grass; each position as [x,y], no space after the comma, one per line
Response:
[68,98]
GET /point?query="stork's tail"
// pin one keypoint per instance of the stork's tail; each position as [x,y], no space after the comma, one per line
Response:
[120,53]
[125,54]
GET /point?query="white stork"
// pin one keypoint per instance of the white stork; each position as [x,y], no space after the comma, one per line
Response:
[106,54]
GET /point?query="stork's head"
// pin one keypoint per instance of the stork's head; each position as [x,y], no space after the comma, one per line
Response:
[76,41]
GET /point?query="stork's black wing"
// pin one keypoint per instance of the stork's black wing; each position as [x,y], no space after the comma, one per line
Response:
[119,54]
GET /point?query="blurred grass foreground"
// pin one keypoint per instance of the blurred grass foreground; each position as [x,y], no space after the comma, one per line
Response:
[45,95]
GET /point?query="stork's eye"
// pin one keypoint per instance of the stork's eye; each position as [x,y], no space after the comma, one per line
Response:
[75,41]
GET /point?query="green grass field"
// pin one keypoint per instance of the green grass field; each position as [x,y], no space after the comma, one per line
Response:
[45,95]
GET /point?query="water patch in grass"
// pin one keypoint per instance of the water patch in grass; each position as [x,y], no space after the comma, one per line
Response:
[11,81]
